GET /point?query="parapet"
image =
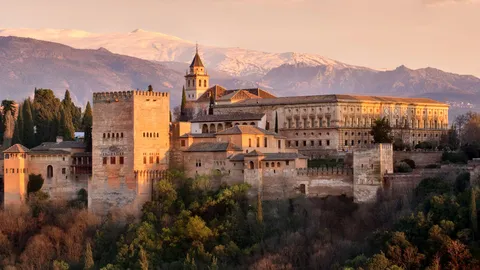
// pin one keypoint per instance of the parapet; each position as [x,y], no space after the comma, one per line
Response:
[125,95]
[325,171]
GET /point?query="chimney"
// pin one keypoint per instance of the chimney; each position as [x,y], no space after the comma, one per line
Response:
[59,139]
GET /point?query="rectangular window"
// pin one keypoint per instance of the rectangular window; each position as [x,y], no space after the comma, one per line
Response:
[144,160]
[112,160]
[258,142]
[64,171]
[279,144]
[287,162]
[328,122]
[121,160]
[346,143]
[296,143]
[151,159]
[183,143]
[312,143]
[304,143]
[265,143]
[104,161]
[320,142]
[328,142]
[353,142]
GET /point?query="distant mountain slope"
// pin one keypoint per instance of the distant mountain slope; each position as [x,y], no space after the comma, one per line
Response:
[28,63]
[160,47]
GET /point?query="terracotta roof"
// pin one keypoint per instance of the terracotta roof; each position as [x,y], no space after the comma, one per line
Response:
[271,156]
[239,94]
[219,92]
[49,152]
[17,148]
[254,153]
[197,62]
[247,129]
[228,117]
[198,135]
[58,145]
[213,147]
[331,99]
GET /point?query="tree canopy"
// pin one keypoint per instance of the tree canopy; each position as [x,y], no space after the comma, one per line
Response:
[381,131]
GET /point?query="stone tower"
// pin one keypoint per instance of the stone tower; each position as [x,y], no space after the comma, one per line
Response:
[196,79]
[15,175]
[130,142]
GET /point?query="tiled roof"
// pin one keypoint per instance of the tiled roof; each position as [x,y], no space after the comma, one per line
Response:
[228,117]
[49,152]
[198,135]
[82,154]
[58,145]
[220,92]
[17,148]
[271,156]
[247,129]
[197,62]
[254,153]
[240,94]
[213,147]
[331,99]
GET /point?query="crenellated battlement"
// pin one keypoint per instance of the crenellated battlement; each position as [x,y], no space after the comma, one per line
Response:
[325,171]
[125,95]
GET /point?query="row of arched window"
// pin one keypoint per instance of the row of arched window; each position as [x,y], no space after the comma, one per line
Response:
[151,135]
[112,135]
[113,160]
[199,83]
[10,170]
[151,160]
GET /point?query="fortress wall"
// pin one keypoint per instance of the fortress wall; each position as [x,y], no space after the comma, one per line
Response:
[421,159]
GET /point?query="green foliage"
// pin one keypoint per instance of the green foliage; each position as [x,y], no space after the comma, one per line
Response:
[87,122]
[403,167]
[410,162]
[471,150]
[462,182]
[184,102]
[16,134]
[66,129]
[381,131]
[35,183]
[473,212]
[75,112]
[47,115]
[455,157]
[8,106]
[28,138]
[425,145]
[60,265]
[276,122]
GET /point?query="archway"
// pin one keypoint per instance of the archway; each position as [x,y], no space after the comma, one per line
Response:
[303,189]
[251,165]
[205,128]
[219,127]
[212,128]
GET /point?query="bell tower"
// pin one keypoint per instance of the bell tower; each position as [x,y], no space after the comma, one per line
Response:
[196,79]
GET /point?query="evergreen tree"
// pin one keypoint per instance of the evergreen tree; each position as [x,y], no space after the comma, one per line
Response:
[66,126]
[19,126]
[143,259]
[28,137]
[88,262]
[276,122]
[75,112]
[473,213]
[150,88]
[381,131]
[16,134]
[2,128]
[87,126]
[46,108]
[184,102]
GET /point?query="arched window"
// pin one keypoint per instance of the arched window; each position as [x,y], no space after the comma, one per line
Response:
[118,135]
[212,128]
[249,142]
[267,126]
[251,165]
[104,135]
[205,83]
[267,165]
[258,142]
[188,83]
[199,83]
[121,135]
[108,135]
[265,142]
[278,164]
[158,160]
[49,171]
[252,123]
[205,128]
[273,164]
[219,127]
[303,189]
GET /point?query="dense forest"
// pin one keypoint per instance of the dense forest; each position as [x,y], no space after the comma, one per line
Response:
[43,119]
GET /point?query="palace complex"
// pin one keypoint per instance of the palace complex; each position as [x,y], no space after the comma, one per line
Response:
[233,136]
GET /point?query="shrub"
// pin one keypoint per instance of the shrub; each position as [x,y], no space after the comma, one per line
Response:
[432,166]
[455,157]
[410,162]
[403,167]
[35,183]
[425,146]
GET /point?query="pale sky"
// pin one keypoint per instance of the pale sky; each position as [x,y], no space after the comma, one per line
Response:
[375,33]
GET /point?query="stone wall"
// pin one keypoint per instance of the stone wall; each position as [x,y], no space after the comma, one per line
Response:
[421,158]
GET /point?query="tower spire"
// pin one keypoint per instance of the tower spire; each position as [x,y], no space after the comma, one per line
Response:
[196,48]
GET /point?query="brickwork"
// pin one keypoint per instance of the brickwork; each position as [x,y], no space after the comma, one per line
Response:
[130,146]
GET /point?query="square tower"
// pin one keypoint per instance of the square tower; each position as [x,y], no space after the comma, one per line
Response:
[196,79]
[130,144]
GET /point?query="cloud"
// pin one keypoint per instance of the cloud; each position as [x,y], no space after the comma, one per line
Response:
[446,2]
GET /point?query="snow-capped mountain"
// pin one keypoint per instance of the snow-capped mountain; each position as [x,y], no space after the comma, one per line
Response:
[154,46]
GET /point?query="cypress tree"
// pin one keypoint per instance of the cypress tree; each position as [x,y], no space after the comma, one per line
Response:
[88,262]
[2,128]
[46,115]
[66,126]
[473,213]
[184,102]
[16,134]
[19,125]
[75,112]
[87,126]
[276,122]
[28,127]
